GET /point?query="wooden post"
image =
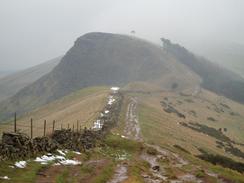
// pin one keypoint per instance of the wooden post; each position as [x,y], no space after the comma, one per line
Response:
[68,125]
[45,122]
[53,125]
[77,126]
[15,123]
[73,127]
[31,128]
[80,128]
[61,126]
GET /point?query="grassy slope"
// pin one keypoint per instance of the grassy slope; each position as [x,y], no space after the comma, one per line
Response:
[167,128]
[162,129]
[83,105]
[12,83]
[157,127]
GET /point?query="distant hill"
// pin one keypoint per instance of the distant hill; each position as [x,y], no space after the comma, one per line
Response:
[214,77]
[12,83]
[99,59]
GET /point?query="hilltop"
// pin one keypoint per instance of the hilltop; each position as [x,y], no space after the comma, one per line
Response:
[98,59]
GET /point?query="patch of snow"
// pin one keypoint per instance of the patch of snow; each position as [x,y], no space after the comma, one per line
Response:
[123,136]
[115,88]
[46,159]
[61,152]
[70,162]
[5,178]
[97,124]
[59,157]
[20,164]
[106,112]
[101,114]
[111,100]
[77,152]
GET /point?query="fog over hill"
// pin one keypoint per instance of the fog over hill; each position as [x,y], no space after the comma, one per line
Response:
[227,54]
[113,59]
[215,78]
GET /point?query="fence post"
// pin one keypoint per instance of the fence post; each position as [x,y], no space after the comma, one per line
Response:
[77,126]
[53,125]
[68,126]
[73,127]
[61,126]
[31,128]
[15,123]
[44,134]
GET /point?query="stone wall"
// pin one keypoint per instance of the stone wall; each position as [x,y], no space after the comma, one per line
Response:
[20,146]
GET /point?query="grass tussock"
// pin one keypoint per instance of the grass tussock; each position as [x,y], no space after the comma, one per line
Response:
[117,142]
[106,174]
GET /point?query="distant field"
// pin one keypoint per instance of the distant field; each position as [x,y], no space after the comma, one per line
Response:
[83,106]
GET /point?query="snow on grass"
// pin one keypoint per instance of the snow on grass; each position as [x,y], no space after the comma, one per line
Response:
[49,158]
[111,100]
[97,125]
[61,152]
[115,89]
[20,164]
[76,152]
[70,162]
[106,112]
[45,159]
[5,178]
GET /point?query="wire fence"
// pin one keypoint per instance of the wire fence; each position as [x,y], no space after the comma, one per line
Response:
[39,129]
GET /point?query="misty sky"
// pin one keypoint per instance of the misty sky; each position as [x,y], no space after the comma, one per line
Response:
[33,31]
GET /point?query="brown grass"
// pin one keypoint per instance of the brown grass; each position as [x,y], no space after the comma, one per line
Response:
[84,106]
[163,128]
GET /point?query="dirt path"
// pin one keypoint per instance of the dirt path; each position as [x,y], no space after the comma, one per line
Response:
[157,171]
[131,131]
[120,174]
[132,128]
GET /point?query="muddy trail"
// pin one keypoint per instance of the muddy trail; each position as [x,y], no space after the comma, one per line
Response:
[132,127]
[158,171]
[120,175]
